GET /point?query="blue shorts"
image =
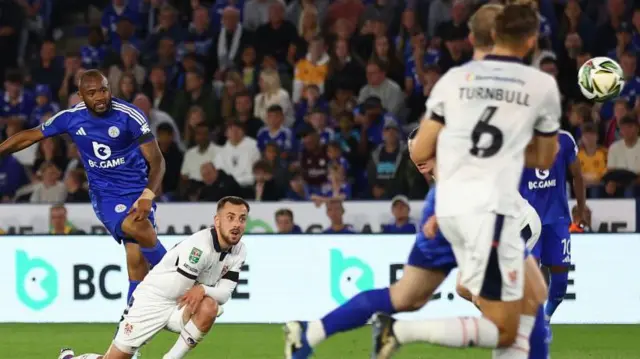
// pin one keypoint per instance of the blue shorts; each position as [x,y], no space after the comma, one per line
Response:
[111,211]
[433,254]
[554,246]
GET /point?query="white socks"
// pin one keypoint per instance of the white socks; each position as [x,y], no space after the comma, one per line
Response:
[520,348]
[190,336]
[88,356]
[315,333]
[452,332]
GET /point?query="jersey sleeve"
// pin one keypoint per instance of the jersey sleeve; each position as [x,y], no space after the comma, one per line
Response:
[550,111]
[191,261]
[234,272]
[436,103]
[56,125]
[137,124]
[569,147]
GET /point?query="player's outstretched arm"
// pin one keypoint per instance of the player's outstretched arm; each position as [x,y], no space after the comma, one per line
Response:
[152,154]
[424,143]
[541,151]
[21,140]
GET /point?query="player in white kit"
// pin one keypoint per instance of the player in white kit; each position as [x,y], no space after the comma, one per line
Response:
[480,118]
[184,291]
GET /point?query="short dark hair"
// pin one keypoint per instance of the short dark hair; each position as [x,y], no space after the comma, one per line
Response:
[275,108]
[73,53]
[284,212]
[58,206]
[235,200]
[516,22]
[243,93]
[91,74]
[165,127]
[14,76]
[262,165]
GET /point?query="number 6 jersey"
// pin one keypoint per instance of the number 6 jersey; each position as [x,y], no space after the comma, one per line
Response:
[490,110]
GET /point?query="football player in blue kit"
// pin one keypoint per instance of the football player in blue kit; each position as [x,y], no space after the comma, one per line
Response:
[123,162]
[429,263]
[546,192]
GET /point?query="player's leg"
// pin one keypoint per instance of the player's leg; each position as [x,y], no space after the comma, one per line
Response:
[67,353]
[556,256]
[409,293]
[196,327]
[144,233]
[137,266]
[492,268]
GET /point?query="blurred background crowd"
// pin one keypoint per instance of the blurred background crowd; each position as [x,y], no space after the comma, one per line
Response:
[304,100]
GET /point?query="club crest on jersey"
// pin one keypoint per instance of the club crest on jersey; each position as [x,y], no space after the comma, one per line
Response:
[194,256]
[114,132]
[225,269]
[49,121]
[128,328]
[120,208]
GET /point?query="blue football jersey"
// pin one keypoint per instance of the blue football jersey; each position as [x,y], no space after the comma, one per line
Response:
[546,190]
[283,138]
[109,146]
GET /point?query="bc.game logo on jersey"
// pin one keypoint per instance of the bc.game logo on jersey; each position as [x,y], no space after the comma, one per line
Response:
[543,181]
[103,152]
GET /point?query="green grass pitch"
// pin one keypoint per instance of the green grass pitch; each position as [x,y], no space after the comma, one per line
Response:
[257,341]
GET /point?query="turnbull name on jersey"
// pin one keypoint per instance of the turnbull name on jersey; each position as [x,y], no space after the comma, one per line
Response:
[109,145]
[497,94]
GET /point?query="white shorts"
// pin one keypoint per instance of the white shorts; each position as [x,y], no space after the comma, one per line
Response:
[144,319]
[531,219]
[490,254]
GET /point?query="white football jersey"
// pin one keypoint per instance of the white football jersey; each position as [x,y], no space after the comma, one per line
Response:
[490,110]
[199,257]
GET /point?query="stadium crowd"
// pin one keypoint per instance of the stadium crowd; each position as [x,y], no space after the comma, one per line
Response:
[305,100]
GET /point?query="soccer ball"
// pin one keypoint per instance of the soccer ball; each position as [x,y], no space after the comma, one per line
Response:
[600,79]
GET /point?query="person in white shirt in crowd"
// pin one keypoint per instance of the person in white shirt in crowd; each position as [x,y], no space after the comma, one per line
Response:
[272,93]
[238,155]
[623,160]
[204,151]
[157,117]
[378,85]
[50,189]
[256,13]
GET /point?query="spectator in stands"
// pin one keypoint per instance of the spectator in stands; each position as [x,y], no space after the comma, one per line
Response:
[118,9]
[172,158]
[50,190]
[199,37]
[157,118]
[389,161]
[623,161]
[127,87]
[384,54]
[168,27]
[73,156]
[51,150]
[344,72]
[313,160]
[195,93]
[166,58]
[243,110]
[76,193]
[217,184]
[12,177]
[400,208]
[593,159]
[372,117]
[44,106]
[230,42]
[49,69]
[58,222]
[272,93]
[238,155]
[203,152]
[298,189]
[249,68]
[312,69]
[335,157]
[266,189]
[285,223]
[380,86]
[72,69]
[218,8]
[275,132]
[584,226]
[161,95]
[16,101]
[343,100]
[336,187]
[271,155]
[278,36]
[335,212]
[349,10]
[232,85]
[318,120]
[12,20]
[128,64]
[256,13]
[94,53]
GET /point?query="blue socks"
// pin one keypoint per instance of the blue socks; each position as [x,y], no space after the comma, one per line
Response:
[357,311]
[557,290]
[133,284]
[538,345]
[154,255]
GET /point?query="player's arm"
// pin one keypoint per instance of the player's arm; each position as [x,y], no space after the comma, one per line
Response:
[541,152]
[20,141]
[222,291]
[425,140]
[153,155]
[579,188]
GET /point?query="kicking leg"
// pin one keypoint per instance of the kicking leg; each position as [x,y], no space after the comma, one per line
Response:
[137,266]
[144,233]
[409,293]
[196,327]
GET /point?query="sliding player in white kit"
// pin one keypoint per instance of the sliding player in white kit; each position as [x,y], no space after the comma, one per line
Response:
[481,116]
[184,292]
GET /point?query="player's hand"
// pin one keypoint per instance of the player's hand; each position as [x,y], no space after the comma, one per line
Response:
[430,228]
[192,298]
[142,206]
